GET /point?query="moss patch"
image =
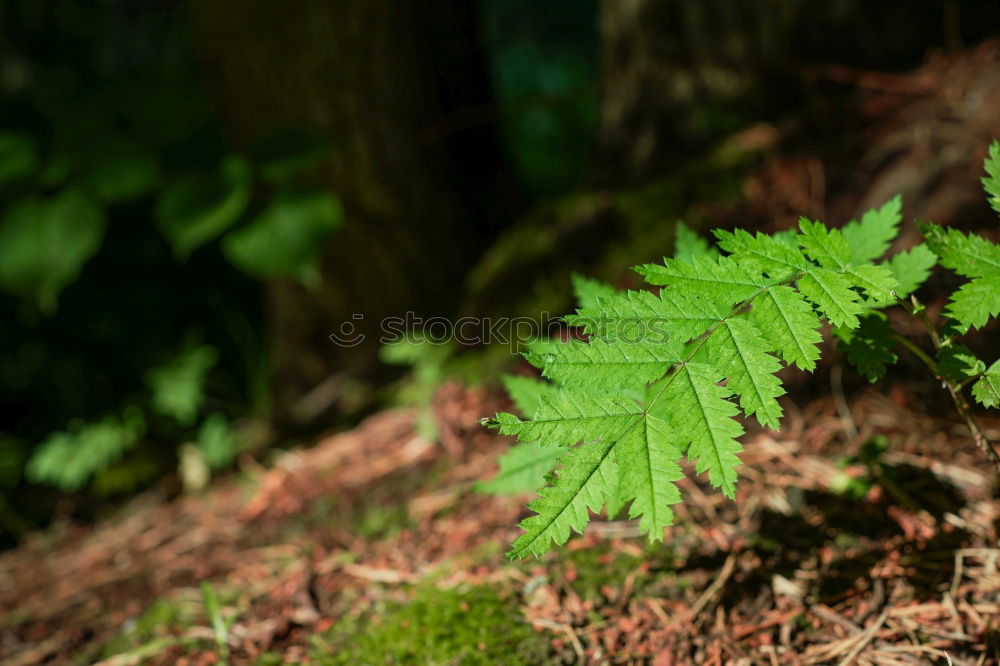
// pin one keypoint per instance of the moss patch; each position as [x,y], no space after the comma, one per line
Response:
[471,625]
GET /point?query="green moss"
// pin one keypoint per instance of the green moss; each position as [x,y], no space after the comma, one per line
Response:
[383,521]
[160,625]
[472,625]
[153,630]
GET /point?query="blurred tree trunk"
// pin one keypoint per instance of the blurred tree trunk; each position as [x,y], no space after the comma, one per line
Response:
[378,78]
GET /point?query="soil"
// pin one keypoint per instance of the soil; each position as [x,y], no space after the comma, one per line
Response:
[865,535]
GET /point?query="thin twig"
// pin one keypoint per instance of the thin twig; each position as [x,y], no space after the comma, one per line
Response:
[717,584]
[865,639]
[919,312]
[840,400]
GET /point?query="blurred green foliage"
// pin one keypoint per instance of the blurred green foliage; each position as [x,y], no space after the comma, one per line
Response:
[178,386]
[133,245]
[44,242]
[285,239]
[68,459]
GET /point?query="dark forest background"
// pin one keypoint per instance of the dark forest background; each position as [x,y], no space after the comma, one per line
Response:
[194,196]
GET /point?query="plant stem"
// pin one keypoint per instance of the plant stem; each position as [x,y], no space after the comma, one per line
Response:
[918,312]
[981,441]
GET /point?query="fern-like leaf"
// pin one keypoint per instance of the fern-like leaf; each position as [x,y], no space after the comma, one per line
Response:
[987,389]
[870,237]
[912,268]
[527,392]
[992,180]
[826,247]
[739,351]
[789,324]
[721,280]
[612,365]
[647,464]
[522,469]
[956,363]
[661,373]
[879,282]
[703,420]
[688,245]
[588,291]
[763,253]
[571,417]
[831,292]
[976,302]
[972,257]
[582,484]
[634,315]
[869,347]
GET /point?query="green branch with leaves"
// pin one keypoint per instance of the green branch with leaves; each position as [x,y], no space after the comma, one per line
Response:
[666,375]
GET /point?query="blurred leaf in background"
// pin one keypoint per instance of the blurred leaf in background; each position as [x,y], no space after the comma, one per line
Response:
[18,157]
[429,362]
[285,239]
[68,459]
[44,242]
[123,178]
[198,207]
[217,441]
[178,386]
[281,155]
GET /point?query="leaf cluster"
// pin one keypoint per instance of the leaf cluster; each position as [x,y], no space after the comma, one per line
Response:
[674,372]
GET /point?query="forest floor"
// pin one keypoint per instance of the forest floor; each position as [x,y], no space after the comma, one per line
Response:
[373,548]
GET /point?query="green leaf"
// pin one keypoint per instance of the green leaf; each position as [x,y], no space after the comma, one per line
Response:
[831,292]
[702,417]
[284,154]
[689,246]
[69,459]
[647,465]
[911,268]
[879,282]
[721,280]
[973,257]
[587,475]
[286,239]
[869,347]
[609,364]
[640,315]
[522,469]
[527,392]
[197,208]
[870,238]
[825,246]
[44,244]
[957,363]
[987,390]
[18,157]
[648,383]
[738,350]
[975,302]
[571,417]
[123,178]
[992,180]
[968,255]
[217,441]
[789,324]
[763,253]
[588,291]
[178,385]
